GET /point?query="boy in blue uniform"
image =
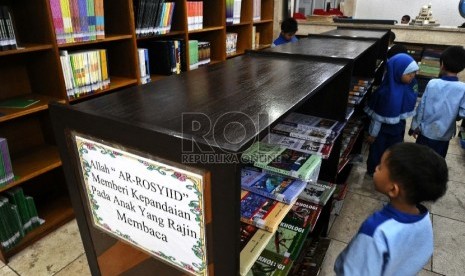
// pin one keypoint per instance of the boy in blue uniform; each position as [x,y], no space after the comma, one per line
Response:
[389,106]
[398,240]
[442,103]
[288,30]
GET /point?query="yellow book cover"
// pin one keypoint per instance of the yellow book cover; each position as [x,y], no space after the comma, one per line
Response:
[263,212]
[253,241]
[67,22]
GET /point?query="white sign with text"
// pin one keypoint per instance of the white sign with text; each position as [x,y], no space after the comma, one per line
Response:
[153,206]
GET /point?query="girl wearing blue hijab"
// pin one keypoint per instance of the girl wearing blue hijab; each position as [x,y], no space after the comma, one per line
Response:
[389,106]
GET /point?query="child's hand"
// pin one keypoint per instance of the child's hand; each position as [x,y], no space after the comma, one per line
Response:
[370,139]
[414,132]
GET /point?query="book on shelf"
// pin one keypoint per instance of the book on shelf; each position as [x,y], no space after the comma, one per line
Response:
[194,15]
[231,43]
[355,100]
[253,241]
[308,122]
[263,212]
[19,102]
[309,135]
[6,168]
[193,54]
[284,161]
[310,147]
[270,264]
[275,187]
[349,112]
[77,20]
[153,17]
[144,66]
[7,29]
[318,193]
[84,71]
[233,11]
[204,53]
[293,230]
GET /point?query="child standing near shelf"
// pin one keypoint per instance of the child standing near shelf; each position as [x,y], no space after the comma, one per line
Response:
[288,30]
[389,106]
[442,103]
[398,239]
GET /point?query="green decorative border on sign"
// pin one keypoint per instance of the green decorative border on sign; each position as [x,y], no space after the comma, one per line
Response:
[196,207]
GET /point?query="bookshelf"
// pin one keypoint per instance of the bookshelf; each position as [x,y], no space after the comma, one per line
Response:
[34,71]
[239,120]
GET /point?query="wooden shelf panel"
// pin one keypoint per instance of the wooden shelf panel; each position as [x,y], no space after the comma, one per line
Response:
[234,54]
[108,38]
[263,21]
[12,113]
[55,214]
[27,48]
[208,29]
[115,83]
[240,24]
[173,33]
[33,164]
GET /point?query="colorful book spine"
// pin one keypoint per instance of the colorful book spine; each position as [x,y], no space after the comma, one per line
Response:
[58,21]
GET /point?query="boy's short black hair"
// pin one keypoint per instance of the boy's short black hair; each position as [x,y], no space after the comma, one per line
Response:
[419,170]
[392,37]
[453,59]
[289,25]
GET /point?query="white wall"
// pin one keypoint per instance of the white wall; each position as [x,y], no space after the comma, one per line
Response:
[445,12]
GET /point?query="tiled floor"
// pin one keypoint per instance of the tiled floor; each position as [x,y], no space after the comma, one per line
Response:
[61,253]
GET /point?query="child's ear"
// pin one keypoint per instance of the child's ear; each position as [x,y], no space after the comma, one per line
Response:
[394,191]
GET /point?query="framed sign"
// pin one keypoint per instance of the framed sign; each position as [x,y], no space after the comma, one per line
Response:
[154,205]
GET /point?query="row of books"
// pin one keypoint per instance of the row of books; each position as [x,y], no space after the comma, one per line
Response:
[7,30]
[78,20]
[358,89]
[166,56]
[84,72]
[18,216]
[257,10]
[144,67]
[6,168]
[199,53]
[153,17]
[231,43]
[233,11]
[277,214]
[194,15]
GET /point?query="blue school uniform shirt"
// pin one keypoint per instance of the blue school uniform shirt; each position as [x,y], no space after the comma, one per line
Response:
[389,242]
[442,102]
[281,40]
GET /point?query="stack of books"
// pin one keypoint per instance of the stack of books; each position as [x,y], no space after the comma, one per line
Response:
[199,53]
[6,169]
[358,88]
[18,216]
[78,20]
[84,72]
[153,17]
[7,30]
[306,133]
[270,191]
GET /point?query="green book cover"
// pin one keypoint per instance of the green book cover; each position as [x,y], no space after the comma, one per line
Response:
[3,222]
[270,264]
[18,103]
[288,240]
[260,154]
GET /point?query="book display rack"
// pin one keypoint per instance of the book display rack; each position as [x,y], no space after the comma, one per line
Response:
[33,71]
[109,153]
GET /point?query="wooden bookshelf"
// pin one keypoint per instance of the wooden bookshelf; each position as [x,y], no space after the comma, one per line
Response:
[34,70]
